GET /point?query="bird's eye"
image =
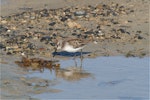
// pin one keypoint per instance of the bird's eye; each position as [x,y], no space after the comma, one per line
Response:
[58,44]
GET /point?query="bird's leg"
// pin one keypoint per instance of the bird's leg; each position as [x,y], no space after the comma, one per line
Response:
[54,53]
[74,58]
[81,57]
[81,62]
[81,54]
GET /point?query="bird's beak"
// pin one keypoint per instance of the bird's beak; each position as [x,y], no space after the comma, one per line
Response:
[54,52]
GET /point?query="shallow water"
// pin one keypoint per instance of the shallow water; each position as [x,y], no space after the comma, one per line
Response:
[99,78]
[4,2]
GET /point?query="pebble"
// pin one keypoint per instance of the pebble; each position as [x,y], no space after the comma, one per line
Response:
[52,44]
[100,33]
[52,23]
[89,32]
[3,29]
[138,36]
[38,26]
[63,19]
[2,46]
[80,13]
[45,38]
[50,29]
[44,13]
[4,22]
[122,30]
[73,24]
[8,30]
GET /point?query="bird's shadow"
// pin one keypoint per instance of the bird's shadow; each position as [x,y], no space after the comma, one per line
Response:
[69,54]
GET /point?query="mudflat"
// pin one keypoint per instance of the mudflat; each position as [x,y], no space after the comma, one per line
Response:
[120,28]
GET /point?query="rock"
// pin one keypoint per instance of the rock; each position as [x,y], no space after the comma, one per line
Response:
[46,38]
[80,13]
[31,46]
[9,53]
[138,36]
[3,29]
[44,13]
[2,46]
[51,29]
[63,19]
[3,21]
[11,47]
[122,30]
[74,34]
[99,6]
[73,24]
[52,44]
[99,33]
[52,23]
[130,54]
[89,32]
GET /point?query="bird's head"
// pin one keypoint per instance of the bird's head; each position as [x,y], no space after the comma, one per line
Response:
[59,44]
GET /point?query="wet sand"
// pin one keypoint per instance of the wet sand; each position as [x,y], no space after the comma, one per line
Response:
[134,24]
[137,22]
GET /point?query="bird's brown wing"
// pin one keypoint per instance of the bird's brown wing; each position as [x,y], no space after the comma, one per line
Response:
[76,43]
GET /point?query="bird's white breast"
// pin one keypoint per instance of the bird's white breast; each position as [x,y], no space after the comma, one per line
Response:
[70,48]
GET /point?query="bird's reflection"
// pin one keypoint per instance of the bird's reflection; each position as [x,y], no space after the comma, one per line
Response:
[73,73]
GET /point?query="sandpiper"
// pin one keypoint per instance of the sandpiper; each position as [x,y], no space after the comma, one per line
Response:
[71,44]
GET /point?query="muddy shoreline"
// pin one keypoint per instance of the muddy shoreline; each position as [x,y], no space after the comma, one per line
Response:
[29,26]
